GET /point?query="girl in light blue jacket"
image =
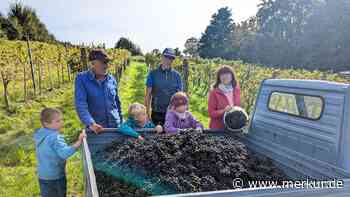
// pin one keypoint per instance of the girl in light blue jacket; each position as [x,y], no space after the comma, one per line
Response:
[52,153]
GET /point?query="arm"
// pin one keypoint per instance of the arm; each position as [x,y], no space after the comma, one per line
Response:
[237,94]
[148,97]
[81,104]
[212,103]
[127,130]
[148,94]
[195,123]
[169,123]
[179,83]
[62,149]
[150,125]
[119,105]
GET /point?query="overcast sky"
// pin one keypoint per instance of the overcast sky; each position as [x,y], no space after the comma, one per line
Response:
[149,23]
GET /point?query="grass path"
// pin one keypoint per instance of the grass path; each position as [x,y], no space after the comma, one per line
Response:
[132,89]
[132,85]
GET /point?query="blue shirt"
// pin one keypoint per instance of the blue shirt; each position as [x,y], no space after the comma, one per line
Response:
[51,153]
[97,101]
[164,83]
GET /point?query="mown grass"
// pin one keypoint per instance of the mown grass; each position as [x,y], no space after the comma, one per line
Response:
[132,89]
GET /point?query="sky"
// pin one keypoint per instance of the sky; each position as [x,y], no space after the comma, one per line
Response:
[149,23]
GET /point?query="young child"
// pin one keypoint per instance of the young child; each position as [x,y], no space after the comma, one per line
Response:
[178,116]
[137,120]
[52,153]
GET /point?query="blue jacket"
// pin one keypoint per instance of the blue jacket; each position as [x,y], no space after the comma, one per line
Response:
[51,153]
[97,102]
[164,83]
[129,126]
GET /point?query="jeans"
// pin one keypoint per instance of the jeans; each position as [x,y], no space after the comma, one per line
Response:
[53,188]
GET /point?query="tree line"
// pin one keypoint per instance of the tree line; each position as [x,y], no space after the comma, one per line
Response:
[22,23]
[310,34]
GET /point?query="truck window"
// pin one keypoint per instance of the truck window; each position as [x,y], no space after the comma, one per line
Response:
[304,106]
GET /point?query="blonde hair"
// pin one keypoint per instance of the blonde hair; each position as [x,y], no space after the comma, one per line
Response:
[48,114]
[136,109]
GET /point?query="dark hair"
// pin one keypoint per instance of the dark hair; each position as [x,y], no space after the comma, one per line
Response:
[222,70]
[98,54]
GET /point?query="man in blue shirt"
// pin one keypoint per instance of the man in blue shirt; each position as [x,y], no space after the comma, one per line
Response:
[162,83]
[96,95]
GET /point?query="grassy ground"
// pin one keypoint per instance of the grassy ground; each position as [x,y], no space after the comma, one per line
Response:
[17,157]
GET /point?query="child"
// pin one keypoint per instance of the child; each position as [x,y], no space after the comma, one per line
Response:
[225,94]
[52,153]
[137,120]
[177,116]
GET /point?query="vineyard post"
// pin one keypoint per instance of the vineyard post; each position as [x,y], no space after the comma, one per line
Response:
[58,71]
[60,63]
[66,57]
[5,81]
[39,63]
[185,73]
[49,63]
[83,58]
[31,64]
[21,54]
[25,82]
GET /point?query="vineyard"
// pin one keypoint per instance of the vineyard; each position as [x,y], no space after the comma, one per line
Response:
[35,75]
[199,76]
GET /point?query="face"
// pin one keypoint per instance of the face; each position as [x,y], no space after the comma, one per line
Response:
[181,108]
[141,118]
[167,61]
[100,67]
[56,123]
[226,78]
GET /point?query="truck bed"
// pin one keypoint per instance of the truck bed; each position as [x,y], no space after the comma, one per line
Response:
[94,143]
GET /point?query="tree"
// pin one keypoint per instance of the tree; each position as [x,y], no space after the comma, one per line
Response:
[191,47]
[8,29]
[156,52]
[125,43]
[217,40]
[245,39]
[177,52]
[281,24]
[326,42]
[27,24]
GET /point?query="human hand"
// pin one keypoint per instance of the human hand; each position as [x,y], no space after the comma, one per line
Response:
[96,128]
[159,129]
[228,108]
[140,138]
[199,129]
[82,135]
[77,144]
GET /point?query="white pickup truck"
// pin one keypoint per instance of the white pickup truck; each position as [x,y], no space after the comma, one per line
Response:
[302,125]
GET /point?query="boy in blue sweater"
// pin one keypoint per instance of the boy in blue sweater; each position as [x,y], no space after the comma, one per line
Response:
[52,153]
[137,120]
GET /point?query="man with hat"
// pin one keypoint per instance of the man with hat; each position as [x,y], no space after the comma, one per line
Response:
[96,95]
[162,83]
